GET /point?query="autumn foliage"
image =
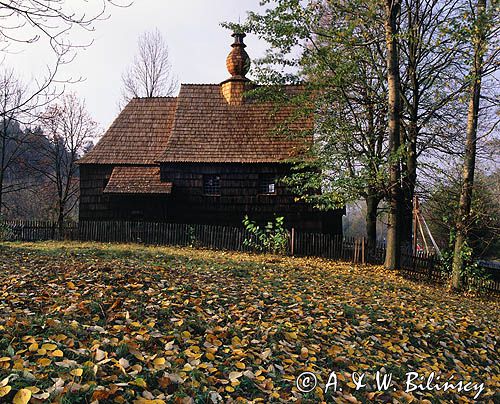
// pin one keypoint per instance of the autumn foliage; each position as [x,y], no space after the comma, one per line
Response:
[83,322]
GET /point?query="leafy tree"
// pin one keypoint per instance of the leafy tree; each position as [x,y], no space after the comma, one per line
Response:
[431,84]
[482,31]
[337,56]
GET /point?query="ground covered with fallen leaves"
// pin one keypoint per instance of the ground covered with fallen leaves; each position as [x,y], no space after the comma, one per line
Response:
[82,322]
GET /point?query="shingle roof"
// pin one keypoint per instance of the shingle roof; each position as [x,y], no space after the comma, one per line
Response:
[137,180]
[138,135]
[208,129]
[197,126]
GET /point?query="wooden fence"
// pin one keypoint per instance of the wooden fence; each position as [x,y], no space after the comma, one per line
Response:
[39,230]
[419,266]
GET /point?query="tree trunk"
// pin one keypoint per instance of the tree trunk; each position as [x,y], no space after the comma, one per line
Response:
[393,252]
[1,192]
[409,174]
[409,179]
[60,221]
[464,206]
[372,202]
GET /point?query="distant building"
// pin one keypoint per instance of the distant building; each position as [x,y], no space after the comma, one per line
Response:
[209,156]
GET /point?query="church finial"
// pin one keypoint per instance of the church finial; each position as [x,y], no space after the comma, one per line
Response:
[238,61]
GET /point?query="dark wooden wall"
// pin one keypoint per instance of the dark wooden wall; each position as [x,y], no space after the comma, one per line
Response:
[239,196]
[187,203]
[93,204]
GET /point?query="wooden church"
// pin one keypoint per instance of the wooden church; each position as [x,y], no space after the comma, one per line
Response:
[208,156]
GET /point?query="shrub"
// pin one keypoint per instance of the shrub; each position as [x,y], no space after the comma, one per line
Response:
[473,274]
[273,237]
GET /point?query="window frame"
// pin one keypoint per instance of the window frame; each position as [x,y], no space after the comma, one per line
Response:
[217,187]
[265,180]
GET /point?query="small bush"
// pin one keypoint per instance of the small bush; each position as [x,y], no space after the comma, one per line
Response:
[273,237]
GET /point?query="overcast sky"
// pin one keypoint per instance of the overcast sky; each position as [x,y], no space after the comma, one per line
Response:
[198,48]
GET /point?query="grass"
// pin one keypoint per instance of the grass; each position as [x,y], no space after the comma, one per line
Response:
[187,325]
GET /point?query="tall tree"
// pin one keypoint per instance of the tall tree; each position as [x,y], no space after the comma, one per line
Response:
[336,51]
[482,30]
[393,254]
[150,74]
[431,81]
[69,129]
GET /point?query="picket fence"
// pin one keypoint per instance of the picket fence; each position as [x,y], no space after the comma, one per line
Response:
[418,266]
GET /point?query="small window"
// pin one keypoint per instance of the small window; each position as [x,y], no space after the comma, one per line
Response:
[267,184]
[211,185]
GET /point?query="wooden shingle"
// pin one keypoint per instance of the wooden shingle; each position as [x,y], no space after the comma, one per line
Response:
[137,180]
[138,135]
[207,129]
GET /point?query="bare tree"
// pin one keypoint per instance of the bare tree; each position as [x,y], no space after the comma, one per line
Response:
[150,74]
[13,110]
[28,21]
[69,129]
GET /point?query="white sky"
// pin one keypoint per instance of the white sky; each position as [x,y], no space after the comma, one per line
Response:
[198,48]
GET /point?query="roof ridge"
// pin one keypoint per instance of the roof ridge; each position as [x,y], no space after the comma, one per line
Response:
[161,97]
[200,84]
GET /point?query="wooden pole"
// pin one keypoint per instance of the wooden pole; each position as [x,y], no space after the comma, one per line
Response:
[415,224]
[292,241]
[363,251]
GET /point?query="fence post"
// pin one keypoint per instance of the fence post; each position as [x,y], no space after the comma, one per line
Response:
[363,251]
[292,241]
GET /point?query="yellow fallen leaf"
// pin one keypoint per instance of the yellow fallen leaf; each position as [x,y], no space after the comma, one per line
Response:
[33,389]
[240,365]
[4,359]
[187,368]
[77,372]
[70,285]
[23,396]
[44,361]
[229,389]
[5,390]
[33,347]
[210,356]
[159,361]
[58,353]
[49,347]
